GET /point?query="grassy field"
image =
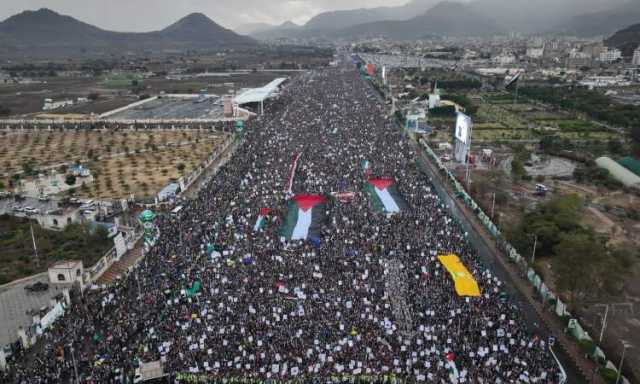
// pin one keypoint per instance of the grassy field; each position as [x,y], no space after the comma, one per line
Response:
[76,242]
[122,80]
[498,118]
[123,162]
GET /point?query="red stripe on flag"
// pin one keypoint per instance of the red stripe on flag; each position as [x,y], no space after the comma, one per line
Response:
[381,184]
[264,211]
[307,202]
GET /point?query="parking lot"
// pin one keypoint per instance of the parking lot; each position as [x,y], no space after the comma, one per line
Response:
[26,207]
[17,302]
[174,108]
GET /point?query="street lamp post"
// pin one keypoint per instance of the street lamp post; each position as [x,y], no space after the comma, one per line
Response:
[493,205]
[604,321]
[625,345]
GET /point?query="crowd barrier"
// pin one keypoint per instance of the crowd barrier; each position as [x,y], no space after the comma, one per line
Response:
[573,326]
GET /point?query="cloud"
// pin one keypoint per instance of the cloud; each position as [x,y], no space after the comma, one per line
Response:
[147,15]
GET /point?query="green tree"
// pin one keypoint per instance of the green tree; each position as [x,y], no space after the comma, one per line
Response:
[70,180]
[579,258]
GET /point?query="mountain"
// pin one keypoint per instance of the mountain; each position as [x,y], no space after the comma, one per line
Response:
[248,29]
[603,23]
[288,25]
[45,32]
[198,29]
[45,27]
[627,40]
[286,29]
[336,20]
[444,19]
[539,16]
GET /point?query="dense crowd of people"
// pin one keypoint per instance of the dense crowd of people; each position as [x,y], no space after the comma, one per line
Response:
[213,298]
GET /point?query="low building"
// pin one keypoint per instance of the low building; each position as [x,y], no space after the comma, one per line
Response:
[80,171]
[66,272]
[604,81]
[618,172]
[58,219]
[535,52]
[50,105]
[504,59]
[169,192]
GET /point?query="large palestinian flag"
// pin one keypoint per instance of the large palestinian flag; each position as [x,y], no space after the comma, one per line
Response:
[305,216]
[385,195]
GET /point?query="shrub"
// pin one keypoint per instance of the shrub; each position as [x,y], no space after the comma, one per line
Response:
[70,180]
[587,346]
[609,375]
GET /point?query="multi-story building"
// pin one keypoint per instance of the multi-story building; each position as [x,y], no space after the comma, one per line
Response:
[636,57]
[535,52]
[504,58]
[610,55]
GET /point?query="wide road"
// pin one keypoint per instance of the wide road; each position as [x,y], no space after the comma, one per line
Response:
[316,286]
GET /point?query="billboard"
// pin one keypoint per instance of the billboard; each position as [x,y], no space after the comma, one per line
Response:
[463,128]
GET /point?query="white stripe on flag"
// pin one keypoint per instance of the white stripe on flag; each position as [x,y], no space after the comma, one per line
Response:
[301,230]
[256,228]
[388,201]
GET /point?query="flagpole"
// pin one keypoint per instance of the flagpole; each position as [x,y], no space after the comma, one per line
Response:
[35,249]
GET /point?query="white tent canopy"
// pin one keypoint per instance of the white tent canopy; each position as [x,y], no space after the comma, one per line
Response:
[258,95]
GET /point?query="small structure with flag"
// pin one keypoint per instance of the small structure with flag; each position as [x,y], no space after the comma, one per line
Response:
[385,195]
[305,216]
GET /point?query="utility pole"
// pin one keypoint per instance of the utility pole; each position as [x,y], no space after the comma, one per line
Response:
[535,243]
[625,345]
[35,249]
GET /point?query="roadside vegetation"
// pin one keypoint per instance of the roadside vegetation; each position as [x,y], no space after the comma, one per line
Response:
[583,265]
[75,242]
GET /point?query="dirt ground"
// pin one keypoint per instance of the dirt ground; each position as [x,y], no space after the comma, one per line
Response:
[147,173]
[28,99]
[152,159]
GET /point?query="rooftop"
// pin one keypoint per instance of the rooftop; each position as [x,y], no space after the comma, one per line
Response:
[256,95]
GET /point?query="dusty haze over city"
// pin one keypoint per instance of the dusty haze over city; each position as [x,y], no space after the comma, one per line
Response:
[123,15]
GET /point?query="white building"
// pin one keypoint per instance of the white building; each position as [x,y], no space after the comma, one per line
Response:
[636,57]
[535,52]
[504,59]
[610,55]
[66,272]
[604,81]
[576,54]
[50,105]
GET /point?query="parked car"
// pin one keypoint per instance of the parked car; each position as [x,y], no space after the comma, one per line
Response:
[37,287]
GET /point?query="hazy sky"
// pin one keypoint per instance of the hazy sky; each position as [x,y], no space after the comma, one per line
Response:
[146,15]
